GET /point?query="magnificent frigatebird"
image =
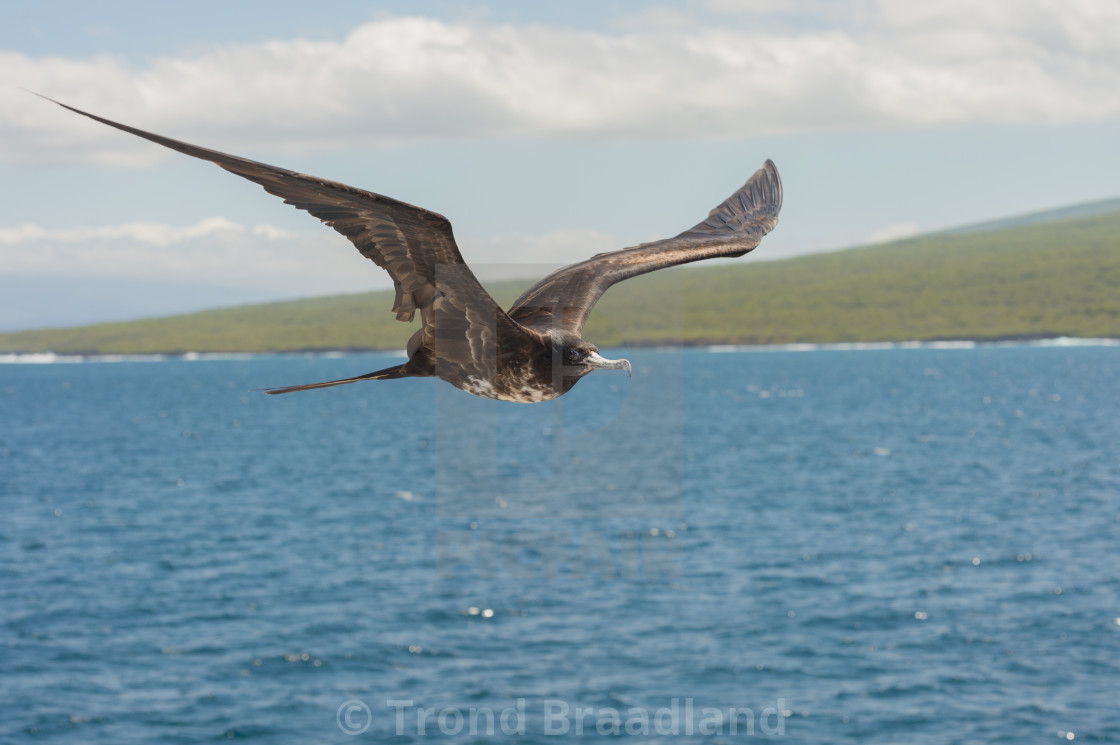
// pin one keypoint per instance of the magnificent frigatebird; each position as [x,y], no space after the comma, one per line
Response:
[534,351]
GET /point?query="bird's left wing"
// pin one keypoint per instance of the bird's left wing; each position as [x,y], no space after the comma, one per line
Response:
[415,246]
[565,298]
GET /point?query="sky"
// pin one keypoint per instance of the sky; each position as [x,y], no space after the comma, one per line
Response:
[546,132]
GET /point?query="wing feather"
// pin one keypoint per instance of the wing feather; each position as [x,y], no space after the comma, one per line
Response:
[564,299]
[414,245]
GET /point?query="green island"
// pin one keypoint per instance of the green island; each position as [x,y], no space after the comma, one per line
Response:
[1059,277]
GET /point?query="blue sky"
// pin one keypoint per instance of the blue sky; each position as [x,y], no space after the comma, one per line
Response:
[546,132]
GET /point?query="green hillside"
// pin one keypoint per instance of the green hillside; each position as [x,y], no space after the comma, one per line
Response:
[1051,279]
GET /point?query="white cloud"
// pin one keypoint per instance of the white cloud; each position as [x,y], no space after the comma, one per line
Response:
[892,232]
[152,234]
[758,71]
[218,251]
[213,251]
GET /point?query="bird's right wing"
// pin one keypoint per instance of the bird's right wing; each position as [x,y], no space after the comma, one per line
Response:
[415,246]
[565,298]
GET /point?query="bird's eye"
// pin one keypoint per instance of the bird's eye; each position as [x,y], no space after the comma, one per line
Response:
[574,356]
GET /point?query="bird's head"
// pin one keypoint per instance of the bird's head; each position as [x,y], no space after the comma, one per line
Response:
[574,357]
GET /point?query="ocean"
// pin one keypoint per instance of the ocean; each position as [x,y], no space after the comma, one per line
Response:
[883,545]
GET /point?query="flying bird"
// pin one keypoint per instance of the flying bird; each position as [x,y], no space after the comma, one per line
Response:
[533,352]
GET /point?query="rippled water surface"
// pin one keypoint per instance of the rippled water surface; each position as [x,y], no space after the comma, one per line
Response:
[910,545]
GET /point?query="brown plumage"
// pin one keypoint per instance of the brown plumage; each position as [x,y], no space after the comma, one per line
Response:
[534,352]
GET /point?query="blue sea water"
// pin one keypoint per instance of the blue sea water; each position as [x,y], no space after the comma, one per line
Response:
[903,545]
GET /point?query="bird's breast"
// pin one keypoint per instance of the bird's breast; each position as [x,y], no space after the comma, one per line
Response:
[520,383]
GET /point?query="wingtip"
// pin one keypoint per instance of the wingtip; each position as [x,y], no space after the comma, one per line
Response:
[776,195]
[48,98]
[76,110]
[771,168]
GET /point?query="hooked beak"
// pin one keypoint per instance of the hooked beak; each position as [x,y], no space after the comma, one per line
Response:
[601,363]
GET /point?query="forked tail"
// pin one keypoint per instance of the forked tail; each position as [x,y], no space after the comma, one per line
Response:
[388,373]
